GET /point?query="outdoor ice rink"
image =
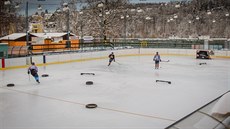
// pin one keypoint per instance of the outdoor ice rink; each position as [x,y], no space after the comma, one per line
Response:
[127,94]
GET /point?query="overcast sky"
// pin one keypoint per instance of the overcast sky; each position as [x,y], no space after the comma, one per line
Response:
[144,1]
[52,5]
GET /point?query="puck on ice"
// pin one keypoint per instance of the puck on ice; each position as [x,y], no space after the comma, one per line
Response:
[89,83]
[10,85]
[45,75]
[91,105]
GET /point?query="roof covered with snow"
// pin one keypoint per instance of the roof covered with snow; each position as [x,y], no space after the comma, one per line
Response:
[13,36]
[50,35]
[16,36]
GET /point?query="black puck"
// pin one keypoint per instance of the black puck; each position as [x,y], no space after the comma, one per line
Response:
[91,105]
[10,85]
[202,63]
[87,73]
[45,75]
[89,83]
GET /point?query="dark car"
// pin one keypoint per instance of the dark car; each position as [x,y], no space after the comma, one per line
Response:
[203,54]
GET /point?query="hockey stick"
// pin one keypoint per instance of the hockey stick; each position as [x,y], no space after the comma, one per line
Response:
[117,63]
[165,61]
[169,82]
[203,63]
[29,77]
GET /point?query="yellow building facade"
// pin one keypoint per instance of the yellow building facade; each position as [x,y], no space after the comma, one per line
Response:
[37,28]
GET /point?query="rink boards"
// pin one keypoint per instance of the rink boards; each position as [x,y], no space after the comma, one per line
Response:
[75,57]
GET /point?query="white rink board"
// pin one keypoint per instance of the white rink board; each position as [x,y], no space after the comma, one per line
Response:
[38,59]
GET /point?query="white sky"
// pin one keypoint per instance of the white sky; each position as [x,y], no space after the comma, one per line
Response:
[52,5]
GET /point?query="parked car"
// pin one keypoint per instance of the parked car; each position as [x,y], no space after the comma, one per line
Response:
[203,54]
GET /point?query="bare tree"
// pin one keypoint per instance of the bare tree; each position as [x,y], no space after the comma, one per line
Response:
[104,17]
[9,17]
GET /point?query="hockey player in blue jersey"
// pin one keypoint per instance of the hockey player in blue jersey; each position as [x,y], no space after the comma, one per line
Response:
[33,70]
[111,58]
[157,59]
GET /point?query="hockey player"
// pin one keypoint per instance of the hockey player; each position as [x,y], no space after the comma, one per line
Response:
[111,58]
[157,59]
[33,70]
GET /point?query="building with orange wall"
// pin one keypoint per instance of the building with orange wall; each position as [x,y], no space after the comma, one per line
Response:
[16,39]
[42,41]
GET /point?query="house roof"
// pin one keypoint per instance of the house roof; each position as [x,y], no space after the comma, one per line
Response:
[50,35]
[13,36]
[16,36]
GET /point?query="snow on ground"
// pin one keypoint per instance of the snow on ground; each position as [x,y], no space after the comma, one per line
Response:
[126,93]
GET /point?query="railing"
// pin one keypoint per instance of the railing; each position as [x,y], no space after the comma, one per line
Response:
[17,51]
[98,46]
[55,47]
[204,118]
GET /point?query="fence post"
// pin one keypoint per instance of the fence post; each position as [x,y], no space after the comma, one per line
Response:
[206,44]
[3,62]
[28,60]
[44,58]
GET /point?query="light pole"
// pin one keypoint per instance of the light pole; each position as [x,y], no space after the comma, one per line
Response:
[125,26]
[104,11]
[189,25]
[139,13]
[67,11]
[29,47]
[133,24]
[16,14]
[170,27]
[102,22]
[148,19]
[209,13]
[197,23]
[175,16]
[81,26]
[27,26]
[227,22]
[81,30]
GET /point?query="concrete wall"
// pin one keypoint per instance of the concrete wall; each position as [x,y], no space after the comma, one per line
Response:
[73,57]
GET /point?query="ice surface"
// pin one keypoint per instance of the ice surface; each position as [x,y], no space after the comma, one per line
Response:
[126,93]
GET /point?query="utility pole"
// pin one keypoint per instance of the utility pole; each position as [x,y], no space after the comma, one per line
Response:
[27,25]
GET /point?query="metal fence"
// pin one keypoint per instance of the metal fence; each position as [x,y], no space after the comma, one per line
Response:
[18,51]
